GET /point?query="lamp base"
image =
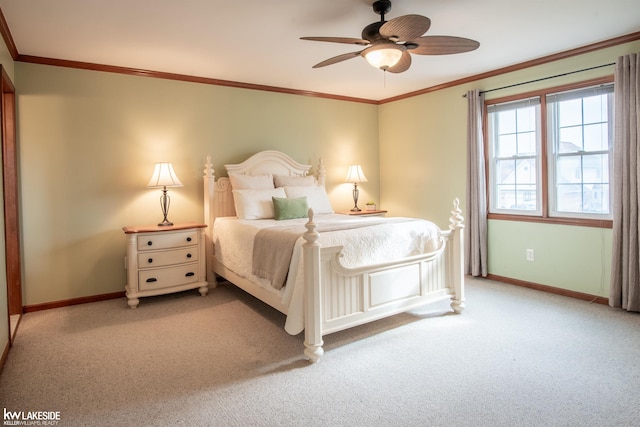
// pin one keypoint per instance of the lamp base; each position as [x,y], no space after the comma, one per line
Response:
[356,193]
[165,201]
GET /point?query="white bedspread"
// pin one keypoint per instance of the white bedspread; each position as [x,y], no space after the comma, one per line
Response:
[387,239]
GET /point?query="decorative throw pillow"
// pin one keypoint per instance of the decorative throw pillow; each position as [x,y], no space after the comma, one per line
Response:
[286,208]
[251,182]
[317,198]
[256,204]
[294,181]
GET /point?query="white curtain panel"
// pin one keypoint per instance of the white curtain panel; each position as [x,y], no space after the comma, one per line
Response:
[625,268]
[476,213]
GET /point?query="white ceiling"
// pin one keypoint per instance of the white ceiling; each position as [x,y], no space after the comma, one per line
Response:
[257,41]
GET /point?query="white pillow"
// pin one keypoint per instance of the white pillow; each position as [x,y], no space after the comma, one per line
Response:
[317,198]
[251,182]
[256,204]
[294,181]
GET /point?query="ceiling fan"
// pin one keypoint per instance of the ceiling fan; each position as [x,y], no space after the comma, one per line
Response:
[389,44]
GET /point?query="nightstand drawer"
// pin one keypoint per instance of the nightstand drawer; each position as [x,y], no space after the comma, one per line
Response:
[165,277]
[153,241]
[164,258]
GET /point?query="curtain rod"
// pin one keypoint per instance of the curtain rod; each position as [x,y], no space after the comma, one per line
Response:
[544,78]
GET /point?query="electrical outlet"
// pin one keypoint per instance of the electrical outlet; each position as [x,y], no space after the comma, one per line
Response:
[530,255]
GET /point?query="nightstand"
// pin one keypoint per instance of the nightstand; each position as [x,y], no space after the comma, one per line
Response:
[161,260]
[365,213]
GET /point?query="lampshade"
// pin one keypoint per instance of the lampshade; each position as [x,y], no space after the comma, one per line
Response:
[384,57]
[355,174]
[164,176]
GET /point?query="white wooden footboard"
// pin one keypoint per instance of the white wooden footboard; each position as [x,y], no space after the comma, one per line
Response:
[338,298]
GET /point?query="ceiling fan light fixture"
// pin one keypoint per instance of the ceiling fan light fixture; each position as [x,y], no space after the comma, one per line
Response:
[384,57]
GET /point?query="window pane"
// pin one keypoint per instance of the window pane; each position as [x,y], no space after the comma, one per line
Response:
[506,122]
[570,139]
[596,168]
[569,169]
[596,198]
[527,143]
[506,145]
[592,198]
[526,120]
[569,197]
[505,196]
[589,175]
[570,112]
[595,109]
[596,137]
[505,172]
[526,197]
[526,172]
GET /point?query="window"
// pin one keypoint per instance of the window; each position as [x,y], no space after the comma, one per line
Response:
[550,154]
[580,140]
[515,141]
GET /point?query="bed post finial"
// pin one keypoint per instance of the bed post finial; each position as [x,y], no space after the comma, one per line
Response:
[208,168]
[456,220]
[322,172]
[457,227]
[312,292]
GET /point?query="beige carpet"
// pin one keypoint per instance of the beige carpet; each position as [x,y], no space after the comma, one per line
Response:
[514,357]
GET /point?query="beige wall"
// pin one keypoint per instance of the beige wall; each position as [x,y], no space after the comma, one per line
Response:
[422,168]
[89,140]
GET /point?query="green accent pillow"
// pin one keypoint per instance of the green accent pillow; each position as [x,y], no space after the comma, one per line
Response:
[290,208]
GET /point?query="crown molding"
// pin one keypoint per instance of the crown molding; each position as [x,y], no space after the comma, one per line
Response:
[7,37]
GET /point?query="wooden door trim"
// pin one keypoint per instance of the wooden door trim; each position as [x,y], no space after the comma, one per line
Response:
[11,198]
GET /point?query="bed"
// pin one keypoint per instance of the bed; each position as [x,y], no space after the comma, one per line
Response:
[337,271]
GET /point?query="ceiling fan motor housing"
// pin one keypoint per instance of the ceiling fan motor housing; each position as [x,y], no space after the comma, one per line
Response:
[382,7]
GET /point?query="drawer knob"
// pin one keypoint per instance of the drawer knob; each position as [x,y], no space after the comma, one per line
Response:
[188,255]
[149,243]
[188,239]
[150,260]
[151,280]
[189,274]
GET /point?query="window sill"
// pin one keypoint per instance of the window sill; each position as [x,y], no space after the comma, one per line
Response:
[597,223]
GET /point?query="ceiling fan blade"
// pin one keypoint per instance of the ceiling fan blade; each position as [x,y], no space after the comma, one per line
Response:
[405,28]
[403,64]
[345,40]
[442,45]
[337,59]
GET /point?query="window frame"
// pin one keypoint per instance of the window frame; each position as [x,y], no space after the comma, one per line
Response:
[544,155]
